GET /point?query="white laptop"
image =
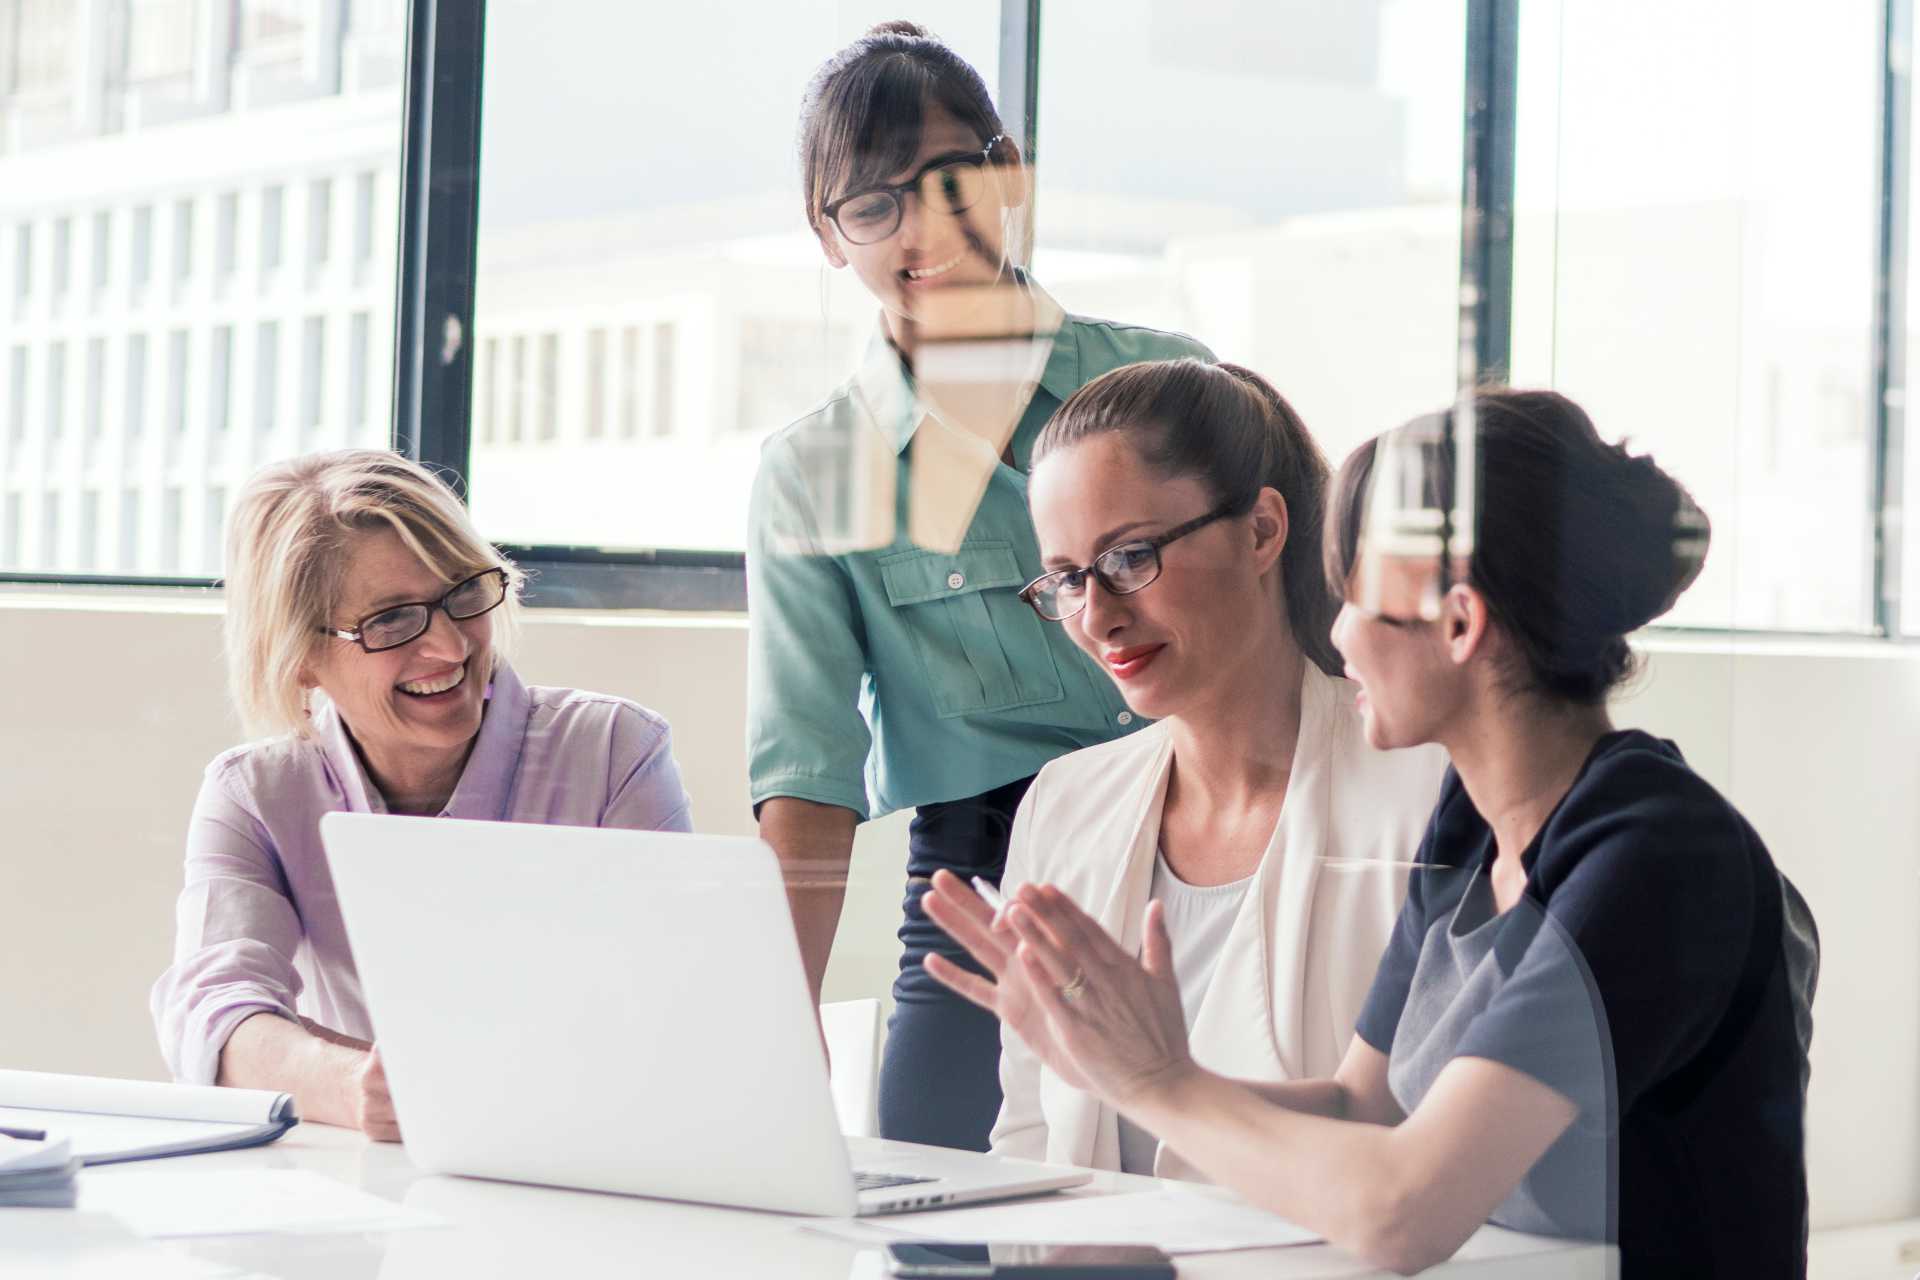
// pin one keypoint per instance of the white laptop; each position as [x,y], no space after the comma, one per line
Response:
[616,1011]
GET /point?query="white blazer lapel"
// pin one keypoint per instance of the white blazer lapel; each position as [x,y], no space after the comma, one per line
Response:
[1304,823]
[1088,1131]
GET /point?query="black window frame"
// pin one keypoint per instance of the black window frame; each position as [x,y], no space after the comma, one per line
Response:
[435,282]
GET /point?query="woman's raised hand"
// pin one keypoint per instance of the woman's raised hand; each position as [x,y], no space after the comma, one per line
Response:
[1100,1019]
[1009,996]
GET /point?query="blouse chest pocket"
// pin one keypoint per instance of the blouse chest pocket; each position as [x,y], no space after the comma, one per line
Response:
[981,647]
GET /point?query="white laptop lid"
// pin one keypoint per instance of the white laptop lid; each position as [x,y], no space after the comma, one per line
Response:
[617,1010]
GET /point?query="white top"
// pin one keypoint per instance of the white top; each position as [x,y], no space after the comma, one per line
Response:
[1198,917]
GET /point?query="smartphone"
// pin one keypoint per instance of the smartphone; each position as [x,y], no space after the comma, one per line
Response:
[952,1260]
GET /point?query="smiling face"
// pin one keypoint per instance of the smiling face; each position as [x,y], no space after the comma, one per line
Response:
[932,249]
[423,698]
[1411,685]
[1209,622]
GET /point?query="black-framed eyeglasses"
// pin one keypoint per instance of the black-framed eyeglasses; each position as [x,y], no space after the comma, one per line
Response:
[952,184]
[1120,570]
[399,624]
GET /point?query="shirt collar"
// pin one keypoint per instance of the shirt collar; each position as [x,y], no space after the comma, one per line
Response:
[486,784]
[887,394]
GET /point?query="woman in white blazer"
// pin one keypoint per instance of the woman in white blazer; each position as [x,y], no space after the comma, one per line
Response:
[1179,507]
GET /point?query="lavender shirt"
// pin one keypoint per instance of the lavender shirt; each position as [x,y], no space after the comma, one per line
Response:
[259,926]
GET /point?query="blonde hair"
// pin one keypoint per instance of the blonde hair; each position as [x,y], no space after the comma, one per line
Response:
[291,534]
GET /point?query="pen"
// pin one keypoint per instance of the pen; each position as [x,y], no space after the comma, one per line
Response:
[25,1135]
[991,896]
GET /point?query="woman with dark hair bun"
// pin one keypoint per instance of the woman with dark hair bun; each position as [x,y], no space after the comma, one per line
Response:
[891,664]
[1592,1019]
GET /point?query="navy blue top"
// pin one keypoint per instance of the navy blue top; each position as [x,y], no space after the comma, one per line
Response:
[1697,962]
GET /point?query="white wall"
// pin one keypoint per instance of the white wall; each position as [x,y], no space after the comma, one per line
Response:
[114,704]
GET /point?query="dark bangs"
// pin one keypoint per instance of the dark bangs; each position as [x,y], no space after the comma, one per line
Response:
[862,118]
[1346,513]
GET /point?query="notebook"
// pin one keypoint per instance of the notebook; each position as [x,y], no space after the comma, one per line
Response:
[106,1121]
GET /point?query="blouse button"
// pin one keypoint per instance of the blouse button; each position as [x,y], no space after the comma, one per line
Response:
[1125,717]
[956,580]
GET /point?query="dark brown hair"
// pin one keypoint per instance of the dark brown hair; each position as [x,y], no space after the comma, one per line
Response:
[1577,542]
[862,113]
[1227,426]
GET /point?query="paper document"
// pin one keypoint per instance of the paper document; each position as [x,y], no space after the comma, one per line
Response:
[1183,1221]
[109,1120]
[37,1175]
[224,1202]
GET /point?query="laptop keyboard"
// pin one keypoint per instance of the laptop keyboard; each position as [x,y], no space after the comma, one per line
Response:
[868,1181]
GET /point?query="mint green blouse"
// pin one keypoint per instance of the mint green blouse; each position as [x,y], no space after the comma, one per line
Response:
[883,674]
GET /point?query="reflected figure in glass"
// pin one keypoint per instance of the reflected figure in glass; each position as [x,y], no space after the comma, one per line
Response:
[892,664]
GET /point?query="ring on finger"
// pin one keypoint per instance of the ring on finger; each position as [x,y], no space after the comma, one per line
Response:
[1076,988]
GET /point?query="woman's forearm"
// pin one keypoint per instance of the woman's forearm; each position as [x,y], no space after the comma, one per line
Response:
[1286,1148]
[268,1052]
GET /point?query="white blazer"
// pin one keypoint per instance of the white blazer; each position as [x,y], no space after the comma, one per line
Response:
[1300,957]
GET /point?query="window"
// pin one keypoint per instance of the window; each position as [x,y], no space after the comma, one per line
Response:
[547,390]
[177,382]
[271,213]
[1151,210]
[172,508]
[359,335]
[140,269]
[313,361]
[22,265]
[663,353]
[1710,295]
[597,384]
[94,391]
[134,411]
[212,524]
[102,254]
[319,222]
[51,551]
[62,257]
[129,531]
[266,377]
[668,270]
[16,399]
[12,553]
[159,41]
[362,221]
[219,380]
[226,236]
[182,242]
[44,39]
[89,531]
[53,392]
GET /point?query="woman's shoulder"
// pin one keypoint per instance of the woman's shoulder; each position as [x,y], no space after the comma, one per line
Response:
[571,719]
[1092,780]
[1109,344]
[255,774]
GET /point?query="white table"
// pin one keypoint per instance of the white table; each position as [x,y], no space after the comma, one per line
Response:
[506,1230]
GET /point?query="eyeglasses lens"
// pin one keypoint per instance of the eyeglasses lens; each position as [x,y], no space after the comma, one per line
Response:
[393,628]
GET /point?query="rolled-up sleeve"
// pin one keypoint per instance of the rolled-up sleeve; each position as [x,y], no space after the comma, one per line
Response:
[651,796]
[238,932]
[806,653]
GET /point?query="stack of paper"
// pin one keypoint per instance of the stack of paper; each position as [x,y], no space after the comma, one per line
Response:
[37,1175]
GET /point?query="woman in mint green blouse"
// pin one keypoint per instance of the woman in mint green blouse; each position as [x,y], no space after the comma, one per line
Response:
[891,662]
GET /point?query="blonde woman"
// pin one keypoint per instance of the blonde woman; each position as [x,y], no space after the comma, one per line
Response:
[366,621]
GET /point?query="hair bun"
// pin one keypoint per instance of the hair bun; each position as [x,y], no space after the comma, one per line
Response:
[899,27]
[1665,536]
